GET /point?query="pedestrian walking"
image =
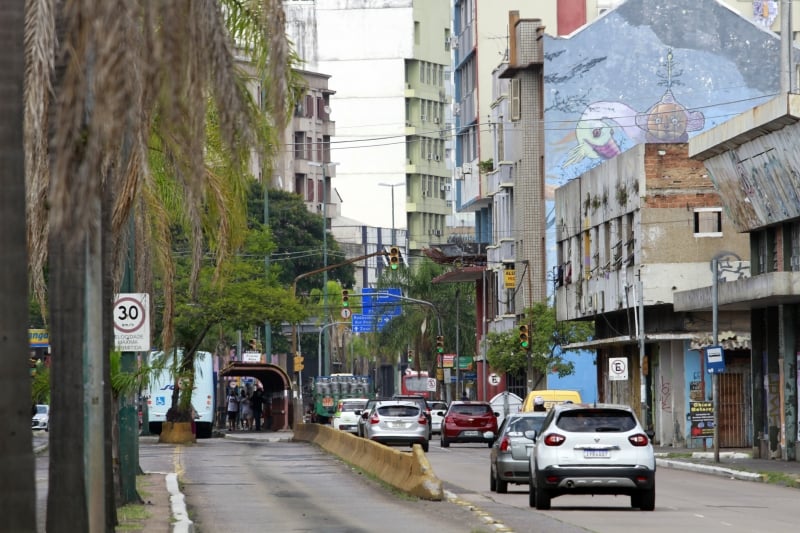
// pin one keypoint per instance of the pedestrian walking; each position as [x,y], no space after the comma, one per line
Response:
[267,413]
[233,409]
[245,411]
[257,404]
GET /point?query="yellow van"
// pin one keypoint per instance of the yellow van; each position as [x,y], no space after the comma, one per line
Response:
[551,398]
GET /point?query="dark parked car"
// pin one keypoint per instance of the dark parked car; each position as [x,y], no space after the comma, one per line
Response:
[467,421]
[508,460]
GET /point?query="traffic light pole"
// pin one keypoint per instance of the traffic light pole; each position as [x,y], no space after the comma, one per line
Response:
[320,366]
[318,271]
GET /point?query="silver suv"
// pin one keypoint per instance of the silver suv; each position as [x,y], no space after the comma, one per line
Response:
[592,449]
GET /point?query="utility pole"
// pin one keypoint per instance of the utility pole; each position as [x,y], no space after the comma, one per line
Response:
[392,185]
[322,167]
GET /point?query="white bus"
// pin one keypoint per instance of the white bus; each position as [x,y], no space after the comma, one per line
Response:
[159,397]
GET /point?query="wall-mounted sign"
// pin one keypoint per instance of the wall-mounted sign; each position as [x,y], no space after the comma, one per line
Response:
[510,278]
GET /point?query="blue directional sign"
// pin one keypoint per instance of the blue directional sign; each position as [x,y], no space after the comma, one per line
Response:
[715,359]
[383,301]
[362,323]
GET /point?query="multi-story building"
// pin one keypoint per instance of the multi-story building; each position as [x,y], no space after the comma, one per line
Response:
[304,165]
[753,162]
[389,63]
[629,234]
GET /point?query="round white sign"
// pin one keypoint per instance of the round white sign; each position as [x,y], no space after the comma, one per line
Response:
[129,314]
[346,312]
[494,379]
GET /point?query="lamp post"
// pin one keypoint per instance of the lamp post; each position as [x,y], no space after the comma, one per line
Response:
[322,167]
[392,185]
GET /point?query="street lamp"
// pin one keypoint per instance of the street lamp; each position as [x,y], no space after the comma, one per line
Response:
[392,185]
[322,167]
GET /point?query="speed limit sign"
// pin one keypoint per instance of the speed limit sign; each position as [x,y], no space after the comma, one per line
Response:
[132,322]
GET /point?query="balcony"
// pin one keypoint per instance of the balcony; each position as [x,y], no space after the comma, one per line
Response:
[501,177]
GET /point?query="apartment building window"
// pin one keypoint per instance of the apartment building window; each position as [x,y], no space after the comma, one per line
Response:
[309,188]
[319,149]
[309,147]
[299,184]
[309,107]
[708,222]
[326,148]
[501,148]
[299,144]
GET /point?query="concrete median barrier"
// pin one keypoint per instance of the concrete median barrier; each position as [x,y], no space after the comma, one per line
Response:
[408,472]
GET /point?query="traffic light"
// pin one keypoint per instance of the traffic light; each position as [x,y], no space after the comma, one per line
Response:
[298,363]
[394,257]
[524,337]
[345,298]
[440,344]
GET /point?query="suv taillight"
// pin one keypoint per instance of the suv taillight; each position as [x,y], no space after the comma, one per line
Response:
[639,440]
[374,419]
[554,439]
[504,444]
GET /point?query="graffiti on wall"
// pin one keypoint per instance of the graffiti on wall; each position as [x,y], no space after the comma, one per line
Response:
[666,395]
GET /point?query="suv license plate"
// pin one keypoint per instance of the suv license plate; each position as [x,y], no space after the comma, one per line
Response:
[595,454]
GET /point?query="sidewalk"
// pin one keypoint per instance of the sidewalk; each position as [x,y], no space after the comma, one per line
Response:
[736,464]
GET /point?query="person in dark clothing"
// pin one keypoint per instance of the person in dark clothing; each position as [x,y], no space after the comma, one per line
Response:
[257,404]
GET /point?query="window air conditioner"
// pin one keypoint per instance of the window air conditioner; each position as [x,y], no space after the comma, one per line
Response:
[423,118]
[436,157]
[435,120]
[430,156]
[456,109]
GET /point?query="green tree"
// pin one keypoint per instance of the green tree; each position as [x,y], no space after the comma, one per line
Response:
[547,339]
[453,303]
[298,237]
[155,75]
[238,296]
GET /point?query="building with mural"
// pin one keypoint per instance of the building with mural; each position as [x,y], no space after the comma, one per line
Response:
[643,75]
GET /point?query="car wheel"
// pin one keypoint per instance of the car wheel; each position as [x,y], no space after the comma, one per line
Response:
[647,500]
[425,446]
[443,443]
[531,494]
[502,486]
[542,500]
[492,481]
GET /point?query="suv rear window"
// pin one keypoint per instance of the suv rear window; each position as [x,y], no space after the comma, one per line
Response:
[398,410]
[596,421]
[470,409]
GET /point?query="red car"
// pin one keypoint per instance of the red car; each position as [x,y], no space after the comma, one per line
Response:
[467,421]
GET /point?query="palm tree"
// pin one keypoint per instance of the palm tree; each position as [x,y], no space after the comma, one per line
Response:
[147,80]
[17,499]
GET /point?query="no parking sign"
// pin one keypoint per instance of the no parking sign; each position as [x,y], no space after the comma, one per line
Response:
[617,368]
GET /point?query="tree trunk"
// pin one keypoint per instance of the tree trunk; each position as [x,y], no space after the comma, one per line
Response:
[18,492]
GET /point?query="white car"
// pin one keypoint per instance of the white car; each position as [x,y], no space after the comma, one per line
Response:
[41,420]
[345,417]
[436,418]
[592,449]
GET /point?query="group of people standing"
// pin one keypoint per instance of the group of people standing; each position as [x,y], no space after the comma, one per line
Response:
[248,410]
